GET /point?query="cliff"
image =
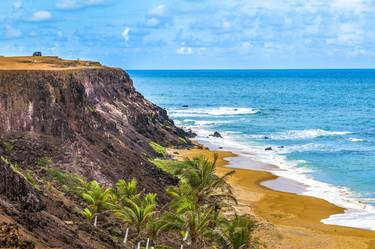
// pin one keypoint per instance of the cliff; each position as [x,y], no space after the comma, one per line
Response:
[84,118]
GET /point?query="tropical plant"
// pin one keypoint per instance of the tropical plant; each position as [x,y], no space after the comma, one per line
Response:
[200,174]
[127,190]
[234,233]
[195,224]
[99,200]
[137,212]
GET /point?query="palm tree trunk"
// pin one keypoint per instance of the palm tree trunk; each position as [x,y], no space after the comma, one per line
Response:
[95,220]
[126,236]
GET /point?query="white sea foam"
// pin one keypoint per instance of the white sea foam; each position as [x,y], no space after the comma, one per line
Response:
[305,134]
[202,112]
[358,213]
[353,139]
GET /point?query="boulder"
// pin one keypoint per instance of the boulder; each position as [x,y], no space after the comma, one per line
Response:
[216,134]
[268,148]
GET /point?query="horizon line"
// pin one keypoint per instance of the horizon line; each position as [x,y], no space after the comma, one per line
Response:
[213,69]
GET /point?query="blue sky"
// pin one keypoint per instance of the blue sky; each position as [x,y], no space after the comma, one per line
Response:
[194,33]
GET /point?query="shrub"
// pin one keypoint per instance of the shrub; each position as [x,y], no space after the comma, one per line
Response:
[44,161]
[160,150]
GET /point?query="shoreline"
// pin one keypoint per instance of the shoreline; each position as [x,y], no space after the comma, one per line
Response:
[288,220]
[356,214]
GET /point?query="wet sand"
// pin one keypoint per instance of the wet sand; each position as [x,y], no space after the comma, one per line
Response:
[287,220]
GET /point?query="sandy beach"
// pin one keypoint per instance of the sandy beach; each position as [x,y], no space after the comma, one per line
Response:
[286,220]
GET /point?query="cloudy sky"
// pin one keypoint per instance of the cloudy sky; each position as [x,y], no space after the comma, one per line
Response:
[194,33]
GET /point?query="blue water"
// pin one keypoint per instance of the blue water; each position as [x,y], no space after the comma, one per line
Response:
[324,119]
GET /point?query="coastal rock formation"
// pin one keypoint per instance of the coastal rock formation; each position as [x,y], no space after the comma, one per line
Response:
[83,118]
[216,134]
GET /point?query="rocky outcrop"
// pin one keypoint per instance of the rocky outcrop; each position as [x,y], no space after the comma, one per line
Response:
[102,124]
[86,120]
[15,187]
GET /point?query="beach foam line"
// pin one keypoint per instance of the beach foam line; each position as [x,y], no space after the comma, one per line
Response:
[356,207]
[305,134]
[201,112]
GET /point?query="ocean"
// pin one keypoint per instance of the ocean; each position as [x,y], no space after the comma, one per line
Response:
[320,125]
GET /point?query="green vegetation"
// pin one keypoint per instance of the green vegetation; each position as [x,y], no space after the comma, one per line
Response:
[196,217]
[99,200]
[7,146]
[44,161]
[91,109]
[171,167]
[160,150]
[71,183]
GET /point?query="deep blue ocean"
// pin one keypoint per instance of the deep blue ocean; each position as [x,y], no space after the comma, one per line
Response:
[319,123]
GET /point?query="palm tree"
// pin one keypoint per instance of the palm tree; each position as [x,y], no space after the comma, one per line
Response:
[127,189]
[196,223]
[137,212]
[99,199]
[200,173]
[234,233]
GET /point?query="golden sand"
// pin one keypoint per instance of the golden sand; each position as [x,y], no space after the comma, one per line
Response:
[287,221]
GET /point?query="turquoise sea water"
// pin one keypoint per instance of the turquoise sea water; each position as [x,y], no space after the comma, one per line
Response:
[320,124]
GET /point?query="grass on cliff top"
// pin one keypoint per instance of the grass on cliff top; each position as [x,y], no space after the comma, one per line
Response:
[171,167]
[160,150]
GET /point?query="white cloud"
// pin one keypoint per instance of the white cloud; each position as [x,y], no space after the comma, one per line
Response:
[41,15]
[153,22]
[184,50]
[158,11]
[76,4]
[17,5]
[125,34]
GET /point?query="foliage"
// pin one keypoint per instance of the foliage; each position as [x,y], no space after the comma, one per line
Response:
[70,182]
[171,167]
[44,161]
[200,173]
[127,190]
[160,150]
[194,214]
[99,199]
[234,233]
[137,212]
[7,146]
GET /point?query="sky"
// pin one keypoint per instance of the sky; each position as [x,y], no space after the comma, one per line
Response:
[194,34]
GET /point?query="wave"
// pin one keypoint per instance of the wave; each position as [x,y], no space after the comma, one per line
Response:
[202,112]
[305,134]
[353,139]
[357,208]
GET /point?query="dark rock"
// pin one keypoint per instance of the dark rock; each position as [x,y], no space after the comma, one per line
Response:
[268,148]
[185,106]
[265,137]
[216,134]
[16,188]
[281,147]
[10,237]
[220,148]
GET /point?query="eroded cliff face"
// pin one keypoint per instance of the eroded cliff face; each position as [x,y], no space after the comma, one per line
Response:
[95,115]
[89,121]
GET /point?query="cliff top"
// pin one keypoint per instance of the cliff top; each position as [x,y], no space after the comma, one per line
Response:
[44,63]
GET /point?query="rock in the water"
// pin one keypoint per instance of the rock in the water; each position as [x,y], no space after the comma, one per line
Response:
[265,137]
[185,106]
[268,148]
[216,134]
